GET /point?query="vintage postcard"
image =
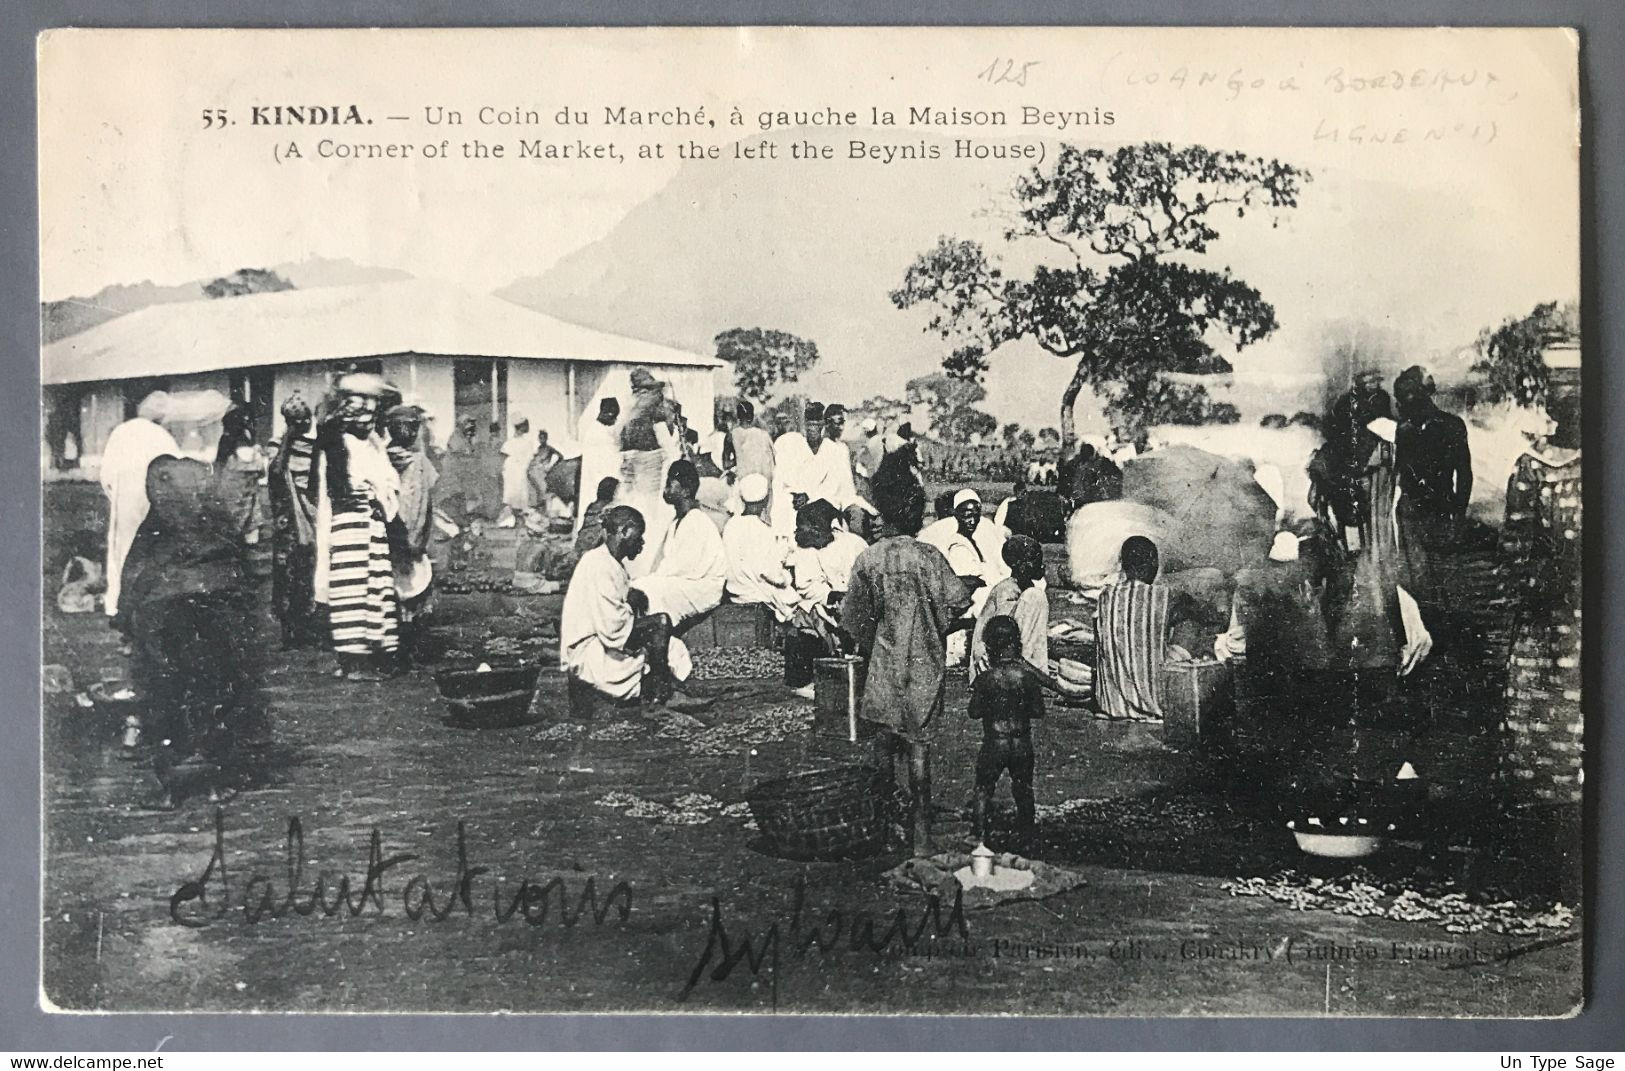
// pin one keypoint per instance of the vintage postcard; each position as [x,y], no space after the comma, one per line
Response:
[947,521]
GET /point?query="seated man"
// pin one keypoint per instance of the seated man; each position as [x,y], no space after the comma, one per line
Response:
[755,554]
[821,564]
[821,570]
[974,548]
[1131,636]
[688,581]
[609,651]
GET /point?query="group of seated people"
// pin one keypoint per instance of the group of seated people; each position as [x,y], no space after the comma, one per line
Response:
[615,630]
[621,637]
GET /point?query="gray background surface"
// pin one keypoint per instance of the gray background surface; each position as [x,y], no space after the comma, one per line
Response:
[24,1027]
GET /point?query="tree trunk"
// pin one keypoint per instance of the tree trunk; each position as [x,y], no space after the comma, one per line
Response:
[1069,402]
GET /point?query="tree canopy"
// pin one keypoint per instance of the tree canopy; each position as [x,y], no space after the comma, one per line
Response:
[1120,295]
[951,404]
[1510,355]
[763,359]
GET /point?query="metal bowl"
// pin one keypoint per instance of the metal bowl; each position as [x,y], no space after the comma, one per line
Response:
[1337,845]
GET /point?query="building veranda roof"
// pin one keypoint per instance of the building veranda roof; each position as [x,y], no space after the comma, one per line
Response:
[410,316]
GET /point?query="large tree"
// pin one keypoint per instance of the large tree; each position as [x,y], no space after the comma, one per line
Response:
[951,405]
[1510,355]
[763,359]
[1122,293]
[886,412]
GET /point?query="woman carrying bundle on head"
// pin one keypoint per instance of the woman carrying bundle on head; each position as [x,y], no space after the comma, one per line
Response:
[359,494]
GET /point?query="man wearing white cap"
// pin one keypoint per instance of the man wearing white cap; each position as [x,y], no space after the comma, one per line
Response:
[756,554]
[131,447]
[974,547]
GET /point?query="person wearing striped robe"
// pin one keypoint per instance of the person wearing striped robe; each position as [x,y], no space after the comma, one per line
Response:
[359,496]
[1131,637]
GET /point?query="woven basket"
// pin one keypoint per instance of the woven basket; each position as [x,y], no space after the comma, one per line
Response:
[838,813]
[468,682]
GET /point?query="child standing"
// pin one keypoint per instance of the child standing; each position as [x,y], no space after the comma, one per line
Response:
[1006,698]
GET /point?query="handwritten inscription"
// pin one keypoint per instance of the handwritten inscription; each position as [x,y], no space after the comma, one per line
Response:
[210,897]
[1007,72]
[1231,83]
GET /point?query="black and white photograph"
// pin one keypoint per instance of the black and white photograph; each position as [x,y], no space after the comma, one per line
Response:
[1043,522]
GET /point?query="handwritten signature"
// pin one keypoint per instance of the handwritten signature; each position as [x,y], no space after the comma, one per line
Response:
[855,930]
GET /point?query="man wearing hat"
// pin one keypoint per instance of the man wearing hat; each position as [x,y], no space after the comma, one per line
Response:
[756,554]
[829,469]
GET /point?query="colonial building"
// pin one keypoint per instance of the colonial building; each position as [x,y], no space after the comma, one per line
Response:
[455,353]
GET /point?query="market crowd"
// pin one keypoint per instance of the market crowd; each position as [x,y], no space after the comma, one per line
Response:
[838,541]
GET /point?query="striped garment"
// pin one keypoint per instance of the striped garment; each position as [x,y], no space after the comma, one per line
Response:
[1131,639]
[301,453]
[364,610]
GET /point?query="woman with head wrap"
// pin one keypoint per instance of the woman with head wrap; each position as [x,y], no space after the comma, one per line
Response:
[358,495]
[410,532]
[1541,564]
[239,462]
[293,529]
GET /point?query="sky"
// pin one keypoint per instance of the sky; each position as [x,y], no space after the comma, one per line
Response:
[1446,192]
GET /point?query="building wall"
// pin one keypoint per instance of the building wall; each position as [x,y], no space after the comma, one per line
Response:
[695,388]
[545,391]
[539,391]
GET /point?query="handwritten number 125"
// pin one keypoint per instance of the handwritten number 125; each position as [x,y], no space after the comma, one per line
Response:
[1006,70]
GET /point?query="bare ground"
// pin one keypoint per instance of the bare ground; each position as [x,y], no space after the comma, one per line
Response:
[1152,933]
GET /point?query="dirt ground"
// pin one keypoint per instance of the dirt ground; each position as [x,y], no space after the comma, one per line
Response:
[1152,932]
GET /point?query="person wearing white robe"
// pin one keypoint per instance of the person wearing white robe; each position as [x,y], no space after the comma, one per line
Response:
[688,580]
[791,458]
[822,571]
[755,553]
[828,468]
[603,642]
[978,553]
[132,446]
[517,453]
[600,454]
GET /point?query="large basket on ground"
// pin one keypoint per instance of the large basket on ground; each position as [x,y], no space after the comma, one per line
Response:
[840,813]
[498,698]
[463,682]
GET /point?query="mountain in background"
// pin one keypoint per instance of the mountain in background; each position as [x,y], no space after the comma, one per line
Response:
[69,316]
[808,247]
[814,248]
